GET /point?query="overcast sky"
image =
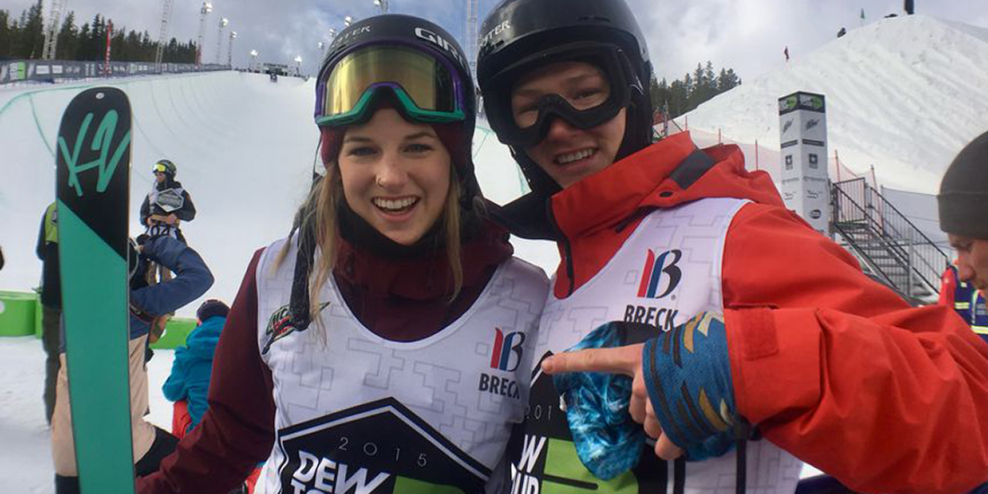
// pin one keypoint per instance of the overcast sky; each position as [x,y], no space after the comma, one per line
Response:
[746,35]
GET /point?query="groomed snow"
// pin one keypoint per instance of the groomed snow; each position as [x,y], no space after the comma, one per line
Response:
[903,94]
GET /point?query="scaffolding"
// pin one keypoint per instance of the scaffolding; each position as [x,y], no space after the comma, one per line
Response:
[471,44]
[51,32]
[166,15]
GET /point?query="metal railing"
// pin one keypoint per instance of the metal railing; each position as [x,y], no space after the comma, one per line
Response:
[874,226]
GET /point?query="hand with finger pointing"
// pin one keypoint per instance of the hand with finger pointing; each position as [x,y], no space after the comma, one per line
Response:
[627,361]
[681,389]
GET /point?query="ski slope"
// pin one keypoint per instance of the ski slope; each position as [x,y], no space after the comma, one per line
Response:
[244,148]
[903,94]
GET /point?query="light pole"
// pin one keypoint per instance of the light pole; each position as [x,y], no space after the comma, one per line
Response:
[347,21]
[204,11]
[298,65]
[382,4]
[253,60]
[229,52]
[219,38]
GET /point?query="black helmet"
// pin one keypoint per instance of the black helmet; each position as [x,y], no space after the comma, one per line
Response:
[521,35]
[166,167]
[422,36]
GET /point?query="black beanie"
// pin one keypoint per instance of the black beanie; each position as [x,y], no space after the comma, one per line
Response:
[212,308]
[963,197]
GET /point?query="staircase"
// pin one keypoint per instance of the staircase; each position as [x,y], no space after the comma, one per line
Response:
[889,246]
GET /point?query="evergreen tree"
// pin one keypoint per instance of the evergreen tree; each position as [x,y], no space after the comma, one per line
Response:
[683,96]
[31,36]
[5,34]
[68,39]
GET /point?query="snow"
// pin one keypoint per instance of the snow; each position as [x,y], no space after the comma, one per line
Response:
[25,453]
[903,94]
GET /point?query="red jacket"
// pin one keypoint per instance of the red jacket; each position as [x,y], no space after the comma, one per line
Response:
[830,365]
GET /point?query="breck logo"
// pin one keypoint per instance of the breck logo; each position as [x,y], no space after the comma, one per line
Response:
[506,347]
[655,268]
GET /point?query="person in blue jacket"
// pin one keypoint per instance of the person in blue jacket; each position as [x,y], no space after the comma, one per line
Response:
[193,365]
[148,303]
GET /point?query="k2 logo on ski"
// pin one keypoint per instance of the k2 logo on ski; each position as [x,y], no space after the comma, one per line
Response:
[101,142]
[661,274]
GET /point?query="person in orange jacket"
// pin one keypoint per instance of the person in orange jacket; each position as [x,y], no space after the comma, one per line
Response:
[748,315]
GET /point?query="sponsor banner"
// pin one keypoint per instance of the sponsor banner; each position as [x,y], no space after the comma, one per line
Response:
[25,70]
[802,101]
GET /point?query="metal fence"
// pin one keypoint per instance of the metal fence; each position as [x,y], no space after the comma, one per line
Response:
[56,70]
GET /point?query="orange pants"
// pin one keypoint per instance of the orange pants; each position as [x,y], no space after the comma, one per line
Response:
[181,422]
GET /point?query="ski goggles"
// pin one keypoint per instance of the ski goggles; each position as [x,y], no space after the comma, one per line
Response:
[159,168]
[423,85]
[528,125]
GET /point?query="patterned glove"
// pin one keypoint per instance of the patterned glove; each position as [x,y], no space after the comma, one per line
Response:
[688,376]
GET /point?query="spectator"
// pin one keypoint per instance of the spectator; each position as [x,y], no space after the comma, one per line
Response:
[148,302]
[51,302]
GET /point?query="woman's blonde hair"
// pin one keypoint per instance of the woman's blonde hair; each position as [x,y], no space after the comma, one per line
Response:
[320,213]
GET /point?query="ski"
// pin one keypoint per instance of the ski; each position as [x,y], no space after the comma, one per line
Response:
[93,182]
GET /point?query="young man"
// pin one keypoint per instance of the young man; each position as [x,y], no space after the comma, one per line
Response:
[964,217]
[825,364]
[148,302]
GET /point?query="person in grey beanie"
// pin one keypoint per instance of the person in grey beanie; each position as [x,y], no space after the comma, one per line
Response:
[963,202]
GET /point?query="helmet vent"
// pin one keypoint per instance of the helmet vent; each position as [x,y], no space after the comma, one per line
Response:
[594,18]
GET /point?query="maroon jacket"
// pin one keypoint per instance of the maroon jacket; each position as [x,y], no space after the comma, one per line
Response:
[401,300]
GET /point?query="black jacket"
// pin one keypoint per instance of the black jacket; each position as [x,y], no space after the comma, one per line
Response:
[187,212]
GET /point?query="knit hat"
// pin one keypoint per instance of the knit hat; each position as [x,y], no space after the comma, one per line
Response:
[212,308]
[963,197]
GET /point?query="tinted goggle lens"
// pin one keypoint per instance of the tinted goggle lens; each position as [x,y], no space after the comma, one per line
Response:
[424,86]
[159,168]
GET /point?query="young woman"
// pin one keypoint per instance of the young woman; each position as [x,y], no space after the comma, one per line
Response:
[827,365]
[383,346]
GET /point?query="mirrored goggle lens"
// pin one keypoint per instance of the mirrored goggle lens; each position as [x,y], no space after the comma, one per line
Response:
[159,168]
[426,81]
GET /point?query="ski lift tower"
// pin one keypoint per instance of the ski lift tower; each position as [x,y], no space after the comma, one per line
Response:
[472,36]
[51,32]
[166,14]
[206,9]
[224,22]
